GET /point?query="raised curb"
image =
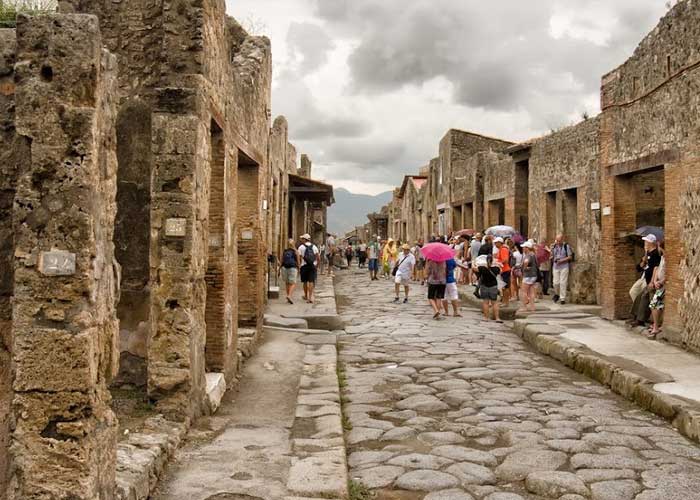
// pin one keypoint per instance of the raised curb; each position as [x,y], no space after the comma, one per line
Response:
[683,415]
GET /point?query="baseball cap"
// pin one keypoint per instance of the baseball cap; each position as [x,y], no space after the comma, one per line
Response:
[405,247]
[498,240]
[306,237]
[650,238]
[528,244]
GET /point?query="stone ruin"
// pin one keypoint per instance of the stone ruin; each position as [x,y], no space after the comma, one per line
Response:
[140,191]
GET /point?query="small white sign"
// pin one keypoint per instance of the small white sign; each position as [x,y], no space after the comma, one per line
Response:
[607,211]
[247,234]
[216,241]
[595,206]
[264,204]
[57,263]
[176,227]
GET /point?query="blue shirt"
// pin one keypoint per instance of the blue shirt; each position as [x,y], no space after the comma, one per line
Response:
[451,265]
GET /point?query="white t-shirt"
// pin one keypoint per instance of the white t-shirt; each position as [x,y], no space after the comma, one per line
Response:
[302,251]
[406,264]
[363,248]
[518,258]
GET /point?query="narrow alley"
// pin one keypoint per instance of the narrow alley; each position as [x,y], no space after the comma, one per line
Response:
[460,409]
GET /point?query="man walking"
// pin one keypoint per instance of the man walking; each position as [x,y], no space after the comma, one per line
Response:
[404,270]
[373,254]
[330,253]
[308,261]
[562,256]
[289,269]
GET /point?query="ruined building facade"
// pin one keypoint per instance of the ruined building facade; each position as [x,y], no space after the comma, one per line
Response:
[634,165]
[143,193]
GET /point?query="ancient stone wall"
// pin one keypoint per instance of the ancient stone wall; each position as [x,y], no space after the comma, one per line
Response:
[650,105]
[563,185]
[64,310]
[10,155]
[498,174]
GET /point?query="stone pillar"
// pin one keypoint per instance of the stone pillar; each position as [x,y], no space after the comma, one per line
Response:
[10,152]
[65,283]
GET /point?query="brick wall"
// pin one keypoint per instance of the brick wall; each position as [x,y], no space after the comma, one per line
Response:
[9,158]
[252,260]
[650,105]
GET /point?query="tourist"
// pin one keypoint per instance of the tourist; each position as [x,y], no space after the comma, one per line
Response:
[348,254]
[403,271]
[308,262]
[652,258]
[474,248]
[420,261]
[487,271]
[657,301]
[389,256]
[437,282]
[516,273]
[544,261]
[451,289]
[562,256]
[289,269]
[373,252]
[530,274]
[362,254]
[330,253]
[502,256]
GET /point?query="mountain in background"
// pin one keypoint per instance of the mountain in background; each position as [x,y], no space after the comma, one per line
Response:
[351,209]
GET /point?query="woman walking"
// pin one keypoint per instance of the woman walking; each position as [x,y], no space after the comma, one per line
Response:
[437,282]
[530,273]
[516,258]
[487,270]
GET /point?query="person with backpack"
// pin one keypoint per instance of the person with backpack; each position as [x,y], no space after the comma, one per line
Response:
[289,270]
[502,255]
[562,257]
[308,262]
[487,271]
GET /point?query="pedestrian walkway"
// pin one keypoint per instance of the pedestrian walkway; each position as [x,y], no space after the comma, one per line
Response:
[461,409]
[279,436]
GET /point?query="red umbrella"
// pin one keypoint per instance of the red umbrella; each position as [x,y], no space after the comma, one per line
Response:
[438,252]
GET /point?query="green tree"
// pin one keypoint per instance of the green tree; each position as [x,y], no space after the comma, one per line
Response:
[10,8]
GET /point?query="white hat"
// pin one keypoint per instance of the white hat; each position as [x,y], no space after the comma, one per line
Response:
[498,240]
[650,238]
[306,237]
[528,244]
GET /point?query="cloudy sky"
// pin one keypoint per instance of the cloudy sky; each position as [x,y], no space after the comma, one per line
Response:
[370,86]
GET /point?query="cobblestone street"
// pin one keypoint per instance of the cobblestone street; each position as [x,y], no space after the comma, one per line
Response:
[457,409]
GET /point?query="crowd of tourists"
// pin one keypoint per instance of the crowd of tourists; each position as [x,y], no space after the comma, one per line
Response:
[502,270]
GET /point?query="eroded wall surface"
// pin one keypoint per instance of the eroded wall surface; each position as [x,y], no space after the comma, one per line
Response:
[65,283]
[649,120]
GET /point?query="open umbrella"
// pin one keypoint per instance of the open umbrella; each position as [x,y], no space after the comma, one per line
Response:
[465,232]
[439,252]
[501,231]
[647,230]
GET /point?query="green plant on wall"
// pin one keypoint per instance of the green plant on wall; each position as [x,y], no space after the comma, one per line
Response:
[9,9]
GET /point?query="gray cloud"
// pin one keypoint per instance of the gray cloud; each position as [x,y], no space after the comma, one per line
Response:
[498,55]
[311,43]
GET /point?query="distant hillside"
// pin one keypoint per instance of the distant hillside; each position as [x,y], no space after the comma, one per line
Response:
[351,209]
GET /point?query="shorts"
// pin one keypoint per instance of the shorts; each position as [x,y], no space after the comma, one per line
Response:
[308,273]
[289,275]
[436,292]
[505,276]
[529,281]
[657,301]
[488,292]
[373,265]
[400,279]
[420,265]
[451,292]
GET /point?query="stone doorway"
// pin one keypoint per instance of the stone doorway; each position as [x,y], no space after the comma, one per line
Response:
[132,240]
[497,212]
[522,196]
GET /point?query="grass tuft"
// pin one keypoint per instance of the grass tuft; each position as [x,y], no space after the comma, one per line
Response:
[358,491]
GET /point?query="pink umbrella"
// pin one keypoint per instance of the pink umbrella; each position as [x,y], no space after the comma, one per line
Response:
[439,252]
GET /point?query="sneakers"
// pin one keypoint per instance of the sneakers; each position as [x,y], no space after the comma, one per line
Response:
[563,302]
[396,300]
[555,299]
[405,301]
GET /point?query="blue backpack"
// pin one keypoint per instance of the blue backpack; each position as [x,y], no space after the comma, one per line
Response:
[289,259]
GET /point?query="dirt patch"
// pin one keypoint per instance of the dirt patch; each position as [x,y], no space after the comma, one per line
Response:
[132,407]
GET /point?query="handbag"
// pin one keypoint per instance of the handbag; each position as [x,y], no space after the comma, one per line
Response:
[396,267]
[638,288]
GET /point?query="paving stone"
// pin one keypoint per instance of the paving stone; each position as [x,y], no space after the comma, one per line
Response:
[360,458]
[426,480]
[592,461]
[461,454]
[422,403]
[615,490]
[420,461]
[518,465]
[503,496]
[360,434]
[597,475]
[453,494]
[554,484]
[439,438]
[469,473]
[382,476]
[398,434]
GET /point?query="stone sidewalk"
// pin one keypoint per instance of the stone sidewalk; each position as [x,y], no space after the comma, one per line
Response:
[658,376]
[461,409]
[279,436]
